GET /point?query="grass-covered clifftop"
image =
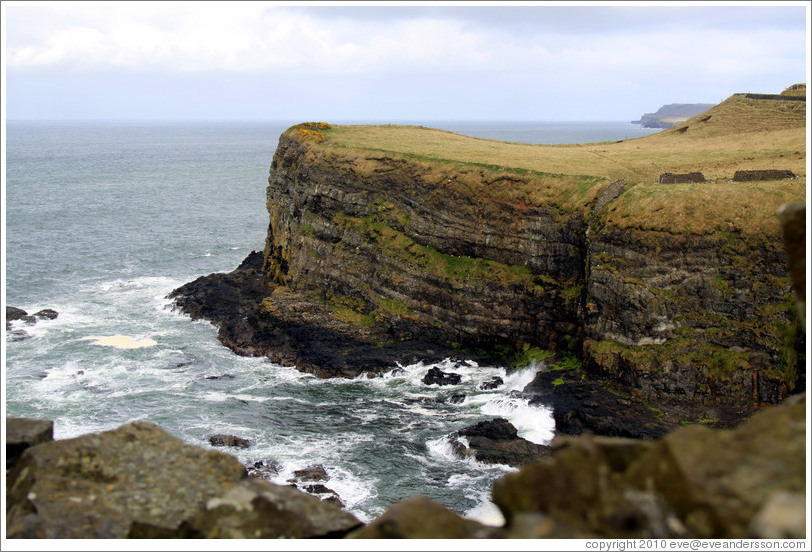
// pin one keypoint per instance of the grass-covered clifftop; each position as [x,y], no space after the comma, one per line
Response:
[740,133]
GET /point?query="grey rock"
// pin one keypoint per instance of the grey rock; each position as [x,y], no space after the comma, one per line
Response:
[99,485]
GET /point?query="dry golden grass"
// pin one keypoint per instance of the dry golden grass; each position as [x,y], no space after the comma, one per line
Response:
[739,133]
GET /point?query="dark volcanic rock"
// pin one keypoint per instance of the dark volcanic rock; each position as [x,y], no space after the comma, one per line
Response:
[13,313]
[48,314]
[264,469]
[315,473]
[492,383]
[497,442]
[98,485]
[225,440]
[258,318]
[435,375]
[589,407]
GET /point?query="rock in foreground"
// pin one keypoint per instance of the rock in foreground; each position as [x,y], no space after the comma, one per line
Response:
[98,485]
[695,482]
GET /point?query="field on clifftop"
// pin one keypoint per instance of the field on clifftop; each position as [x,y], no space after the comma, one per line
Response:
[741,133]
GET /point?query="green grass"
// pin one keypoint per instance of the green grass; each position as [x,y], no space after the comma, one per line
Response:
[741,133]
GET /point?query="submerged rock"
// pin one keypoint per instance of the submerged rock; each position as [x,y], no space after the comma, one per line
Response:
[264,469]
[14,313]
[496,442]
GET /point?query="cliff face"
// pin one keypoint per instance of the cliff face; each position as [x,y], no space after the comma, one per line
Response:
[703,320]
[387,242]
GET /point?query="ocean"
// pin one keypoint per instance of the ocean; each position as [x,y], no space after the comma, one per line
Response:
[104,219]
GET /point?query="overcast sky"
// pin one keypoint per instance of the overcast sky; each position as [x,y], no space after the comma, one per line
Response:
[391,62]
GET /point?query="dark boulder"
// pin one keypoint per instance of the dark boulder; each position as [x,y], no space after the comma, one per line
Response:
[315,473]
[13,313]
[457,399]
[492,383]
[496,442]
[264,469]
[225,440]
[48,314]
[437,376]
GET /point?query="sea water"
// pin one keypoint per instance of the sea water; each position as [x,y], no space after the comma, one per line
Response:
[104,219]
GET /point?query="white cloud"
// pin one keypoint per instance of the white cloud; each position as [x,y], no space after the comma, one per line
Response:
[254,37]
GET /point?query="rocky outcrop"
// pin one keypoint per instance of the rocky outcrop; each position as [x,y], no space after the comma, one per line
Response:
[258,509]
[225,440]
[256,317]
[384,241]
[138,481]
[496,442]
[435,376]
[420,518]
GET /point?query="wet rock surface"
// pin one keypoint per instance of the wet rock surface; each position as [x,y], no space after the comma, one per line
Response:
[435,376]
[225,440]
[496,441]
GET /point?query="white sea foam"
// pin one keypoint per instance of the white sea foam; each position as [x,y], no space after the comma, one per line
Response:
[486,512]
[121,341]
[534,423]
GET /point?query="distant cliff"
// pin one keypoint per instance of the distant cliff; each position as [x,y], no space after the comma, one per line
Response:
[671,114]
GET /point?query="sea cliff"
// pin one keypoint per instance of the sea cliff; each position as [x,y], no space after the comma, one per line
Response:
[407,240]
